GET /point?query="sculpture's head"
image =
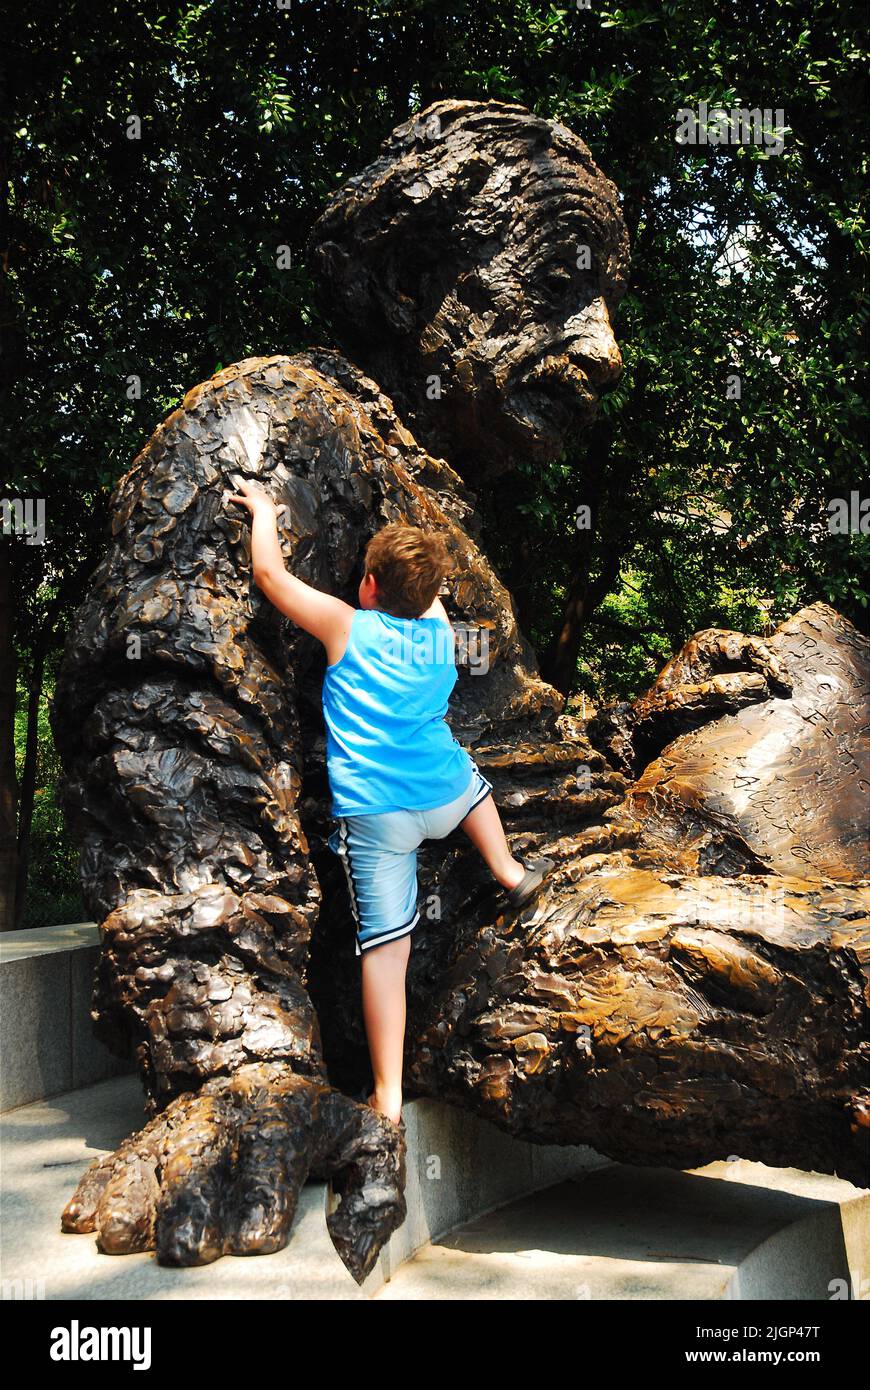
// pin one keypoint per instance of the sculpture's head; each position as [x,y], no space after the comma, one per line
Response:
[473,270]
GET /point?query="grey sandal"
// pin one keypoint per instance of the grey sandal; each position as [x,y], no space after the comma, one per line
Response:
[536,871]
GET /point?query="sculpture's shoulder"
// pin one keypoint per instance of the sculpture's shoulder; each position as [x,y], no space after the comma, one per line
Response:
[312,395]
[277,382]
[250,407]
[383,416]
[260,380]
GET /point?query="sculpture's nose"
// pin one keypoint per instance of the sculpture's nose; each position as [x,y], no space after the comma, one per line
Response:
[590,343]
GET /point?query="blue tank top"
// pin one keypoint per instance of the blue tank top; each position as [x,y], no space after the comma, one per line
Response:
[388,746]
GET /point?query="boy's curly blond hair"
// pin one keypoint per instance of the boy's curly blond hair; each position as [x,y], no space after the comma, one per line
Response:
[409,565]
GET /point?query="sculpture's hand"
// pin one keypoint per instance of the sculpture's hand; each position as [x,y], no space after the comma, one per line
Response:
[710,659]
[219,1173]
[717,672]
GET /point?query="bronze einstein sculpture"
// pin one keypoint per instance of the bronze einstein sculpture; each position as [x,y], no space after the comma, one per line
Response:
[690,983]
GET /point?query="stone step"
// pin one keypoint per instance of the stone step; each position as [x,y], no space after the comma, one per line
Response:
[736,1230]
[46,1039]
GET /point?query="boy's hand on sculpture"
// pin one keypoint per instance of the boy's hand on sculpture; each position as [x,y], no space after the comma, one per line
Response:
[323,615]
[254,497]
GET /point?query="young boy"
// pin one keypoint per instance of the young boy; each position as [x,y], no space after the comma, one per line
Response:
[397,774]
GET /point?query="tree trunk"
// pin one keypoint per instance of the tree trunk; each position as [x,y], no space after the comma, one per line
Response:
[559,662]
[28,775]
[8,784]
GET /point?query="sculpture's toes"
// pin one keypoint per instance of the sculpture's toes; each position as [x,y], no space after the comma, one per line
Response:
[79,1214]
[117,1195]
[125,1215]
[270,1169]
[369,1179]
[196,1170]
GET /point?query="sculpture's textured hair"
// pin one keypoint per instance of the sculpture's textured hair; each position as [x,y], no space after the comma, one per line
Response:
[409,565]
[447,185]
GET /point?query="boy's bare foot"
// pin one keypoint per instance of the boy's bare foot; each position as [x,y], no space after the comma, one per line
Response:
[387,1103]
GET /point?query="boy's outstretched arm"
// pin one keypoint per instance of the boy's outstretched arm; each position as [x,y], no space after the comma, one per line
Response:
[327,618]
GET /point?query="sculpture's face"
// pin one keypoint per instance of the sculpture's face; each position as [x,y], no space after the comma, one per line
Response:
[473,271]
[532,342]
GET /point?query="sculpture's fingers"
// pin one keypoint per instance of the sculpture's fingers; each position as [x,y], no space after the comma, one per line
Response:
[196,1171]
[273,1153]
[729,691]
[719,694]
[759,657]
[368,1177]
[80,1211]
[712,654]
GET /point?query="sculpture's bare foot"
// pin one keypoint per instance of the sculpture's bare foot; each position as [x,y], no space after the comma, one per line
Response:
[219,1172]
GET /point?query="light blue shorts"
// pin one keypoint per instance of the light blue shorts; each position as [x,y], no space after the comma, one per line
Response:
[379,852]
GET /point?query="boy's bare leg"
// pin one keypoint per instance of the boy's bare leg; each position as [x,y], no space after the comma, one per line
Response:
[383,1000]
[484,829]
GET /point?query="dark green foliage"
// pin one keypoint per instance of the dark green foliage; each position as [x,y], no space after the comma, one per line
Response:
[53,894]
